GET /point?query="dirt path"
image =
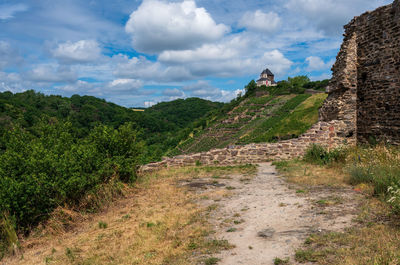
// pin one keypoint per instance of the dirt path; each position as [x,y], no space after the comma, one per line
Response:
[266,219]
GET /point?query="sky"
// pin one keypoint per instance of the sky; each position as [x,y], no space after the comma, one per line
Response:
[138,53]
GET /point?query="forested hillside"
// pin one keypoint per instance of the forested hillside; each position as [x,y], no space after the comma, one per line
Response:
[77,151]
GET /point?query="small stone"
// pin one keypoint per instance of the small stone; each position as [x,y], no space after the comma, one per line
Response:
[266,233]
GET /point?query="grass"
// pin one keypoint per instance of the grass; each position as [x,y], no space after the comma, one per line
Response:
[279,261]
[305,174]
[157,222]
[376,238]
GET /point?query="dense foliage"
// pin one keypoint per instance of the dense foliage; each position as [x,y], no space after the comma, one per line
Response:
[50,166]
[161,125]
[56,150]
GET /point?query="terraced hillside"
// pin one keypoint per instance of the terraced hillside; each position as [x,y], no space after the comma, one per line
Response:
[256,119]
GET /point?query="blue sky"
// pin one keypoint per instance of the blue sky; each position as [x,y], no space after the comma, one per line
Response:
[137,53]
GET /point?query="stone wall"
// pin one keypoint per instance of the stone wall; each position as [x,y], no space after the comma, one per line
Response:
[378,82]
[365,87]
[329,134]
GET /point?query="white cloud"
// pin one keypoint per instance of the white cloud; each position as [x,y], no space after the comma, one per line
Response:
[330,15]
[148,104]
[9,11]
[124,85]
[229,48]
[315,63]
[144,69]
[8,55]
[51,73]
[262,22]
[174,92]
[13,82]
[82,51]
[157,26]
[203,89]
[78,86]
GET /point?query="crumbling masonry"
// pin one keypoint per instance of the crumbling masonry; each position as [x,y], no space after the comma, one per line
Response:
[363,102]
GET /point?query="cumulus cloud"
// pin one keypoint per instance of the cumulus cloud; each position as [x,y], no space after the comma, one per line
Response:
[315,63]
[8,55]
[148,104]
[83,51]
[13,82]
[173,92]
[125,85]
[51,73]
[8,11]
[330,15]
[140,67]
[204,89]
[262,22]
[78,86]
[157,26]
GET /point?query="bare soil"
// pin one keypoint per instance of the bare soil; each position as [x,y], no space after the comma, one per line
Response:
[265,218]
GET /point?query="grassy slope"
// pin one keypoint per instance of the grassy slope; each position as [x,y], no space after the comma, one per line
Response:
[158,222]
[257,119]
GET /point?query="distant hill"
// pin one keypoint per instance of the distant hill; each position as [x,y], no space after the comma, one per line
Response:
[159,125]
[181,112]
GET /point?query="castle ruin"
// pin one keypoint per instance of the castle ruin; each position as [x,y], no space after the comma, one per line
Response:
[363,101]
[365,88]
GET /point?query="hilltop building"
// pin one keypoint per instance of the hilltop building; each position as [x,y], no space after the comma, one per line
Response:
[266,78]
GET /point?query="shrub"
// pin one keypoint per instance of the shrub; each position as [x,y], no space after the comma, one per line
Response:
[49,166]
[317,154]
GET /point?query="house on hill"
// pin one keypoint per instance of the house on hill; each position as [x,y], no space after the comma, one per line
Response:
[266,78]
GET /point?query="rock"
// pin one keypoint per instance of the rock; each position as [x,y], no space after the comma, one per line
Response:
[266,233]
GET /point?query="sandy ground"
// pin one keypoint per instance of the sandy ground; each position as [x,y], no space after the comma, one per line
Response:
[265,218]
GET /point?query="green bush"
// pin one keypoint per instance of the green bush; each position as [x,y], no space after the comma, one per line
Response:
[50,166]
[317,154]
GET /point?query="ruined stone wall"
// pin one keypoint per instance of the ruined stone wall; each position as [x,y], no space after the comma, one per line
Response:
[378,82]
[328,134]
[365,88]
[341,101]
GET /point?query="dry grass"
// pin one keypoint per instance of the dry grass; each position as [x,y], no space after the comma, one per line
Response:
[375,241]
[375,238]
[302,173]
[158,222]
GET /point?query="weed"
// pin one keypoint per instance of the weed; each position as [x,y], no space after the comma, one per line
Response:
[305,255]
[230,188]
[232,229]
[317,154]
[70,254]
[126,217]
[8,237]
[279,261]
[102,225]
[236,222]
[211,261]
